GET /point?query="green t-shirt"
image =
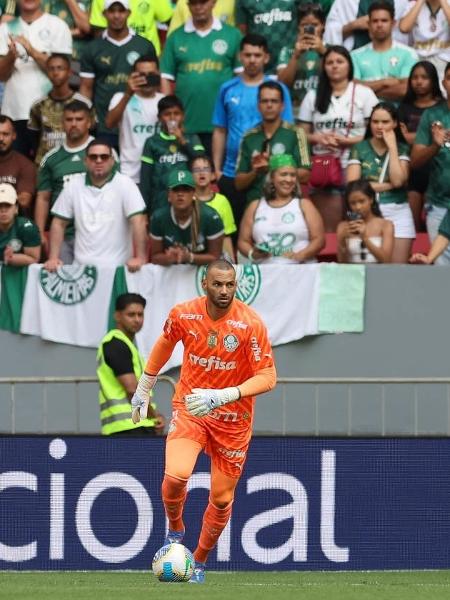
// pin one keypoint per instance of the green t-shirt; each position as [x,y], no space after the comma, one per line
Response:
[276,21]
[60,9]
[23,233]
[438,190]
[222,205]
[161,155]
[444,227]
[142,20]
[372,163]
[164,227]
[370,65]
[57,168]
[286,140]
[199,66]
[111,65]
[306,74]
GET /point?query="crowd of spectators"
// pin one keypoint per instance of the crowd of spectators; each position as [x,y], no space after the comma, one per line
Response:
[135,131]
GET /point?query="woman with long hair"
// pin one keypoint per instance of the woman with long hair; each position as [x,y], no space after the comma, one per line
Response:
[383,158]
[281,227]
[423,92]
[334,118]
[364,237]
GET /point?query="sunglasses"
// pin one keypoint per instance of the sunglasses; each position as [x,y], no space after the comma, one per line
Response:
[96,157]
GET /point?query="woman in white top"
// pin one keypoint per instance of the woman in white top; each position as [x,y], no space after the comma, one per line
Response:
[364,237]
[281,227]
[334,118]
[427,23]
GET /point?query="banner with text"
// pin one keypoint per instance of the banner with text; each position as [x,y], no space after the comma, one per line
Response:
[74,305]
[304,504]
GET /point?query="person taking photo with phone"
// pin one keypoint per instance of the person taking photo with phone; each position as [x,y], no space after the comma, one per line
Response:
[364,237]
[135,113]
[299,66]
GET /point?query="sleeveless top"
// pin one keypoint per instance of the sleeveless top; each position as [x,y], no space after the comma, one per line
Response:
[358,252]
[280,229]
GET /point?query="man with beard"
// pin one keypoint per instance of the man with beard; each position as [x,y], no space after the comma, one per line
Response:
[108,61]
[225,344]
[15,168]
[57,168]
[384,64]
[271,136]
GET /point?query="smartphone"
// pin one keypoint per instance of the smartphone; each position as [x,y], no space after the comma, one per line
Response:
[153,79]
[265,145]
[263,246]
[354,216]
[309,29]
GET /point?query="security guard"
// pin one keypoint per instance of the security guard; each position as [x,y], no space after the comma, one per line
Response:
[119,366]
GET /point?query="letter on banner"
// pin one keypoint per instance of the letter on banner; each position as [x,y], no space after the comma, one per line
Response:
[296,510]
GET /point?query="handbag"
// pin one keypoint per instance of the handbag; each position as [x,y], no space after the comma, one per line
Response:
[326,169]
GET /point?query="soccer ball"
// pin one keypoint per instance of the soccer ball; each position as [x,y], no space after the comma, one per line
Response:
[173,562]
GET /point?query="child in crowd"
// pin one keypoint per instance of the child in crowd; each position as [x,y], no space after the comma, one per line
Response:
[203,172]
[365,237]
[46,114]
[165,152]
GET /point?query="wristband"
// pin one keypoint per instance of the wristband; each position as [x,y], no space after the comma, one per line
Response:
[250,254]
[191,258]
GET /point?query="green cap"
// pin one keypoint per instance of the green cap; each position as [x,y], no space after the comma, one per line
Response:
[276,161]
[177,178]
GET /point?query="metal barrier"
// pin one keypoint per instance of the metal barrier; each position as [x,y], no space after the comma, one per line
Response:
[284,382]
[46,381]
[381,381]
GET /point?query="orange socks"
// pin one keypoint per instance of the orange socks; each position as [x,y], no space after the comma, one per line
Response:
[214,522]
[174,492]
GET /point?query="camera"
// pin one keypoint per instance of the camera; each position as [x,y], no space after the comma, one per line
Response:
[354,216]
[309,29]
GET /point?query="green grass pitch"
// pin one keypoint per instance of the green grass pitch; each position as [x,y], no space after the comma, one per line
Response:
[237,585]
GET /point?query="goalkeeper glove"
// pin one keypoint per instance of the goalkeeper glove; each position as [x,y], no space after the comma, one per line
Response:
[201,402]
[141,397]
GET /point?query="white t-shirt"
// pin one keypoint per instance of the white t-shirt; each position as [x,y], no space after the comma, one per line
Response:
[138,123]
[282,229]
[28,82]
[338,114]
[430,37]
[102,232]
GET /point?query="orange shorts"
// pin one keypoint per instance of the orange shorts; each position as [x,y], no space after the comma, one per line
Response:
[225,442]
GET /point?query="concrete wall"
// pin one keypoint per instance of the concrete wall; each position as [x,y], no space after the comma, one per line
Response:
[406,334]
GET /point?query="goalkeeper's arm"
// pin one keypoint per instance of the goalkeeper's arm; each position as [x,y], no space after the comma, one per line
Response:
[159,355]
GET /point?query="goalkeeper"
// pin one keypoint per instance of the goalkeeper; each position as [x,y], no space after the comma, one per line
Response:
[227,361]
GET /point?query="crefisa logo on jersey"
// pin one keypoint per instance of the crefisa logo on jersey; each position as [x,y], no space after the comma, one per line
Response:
[70,284]
[230,342]
[248,282]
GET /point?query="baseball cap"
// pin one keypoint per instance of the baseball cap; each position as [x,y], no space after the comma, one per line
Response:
[8,194]
[109,3]
[177,178]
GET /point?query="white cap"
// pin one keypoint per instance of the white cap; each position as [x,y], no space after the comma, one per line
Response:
[109,3]
[8,194]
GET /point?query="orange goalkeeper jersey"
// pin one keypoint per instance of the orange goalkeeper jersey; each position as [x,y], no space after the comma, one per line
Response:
[218,354]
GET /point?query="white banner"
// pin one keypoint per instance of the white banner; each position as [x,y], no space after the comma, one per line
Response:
[69,306]
[286,298]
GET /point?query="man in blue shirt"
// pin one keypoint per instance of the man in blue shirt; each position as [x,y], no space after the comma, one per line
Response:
[236,111]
